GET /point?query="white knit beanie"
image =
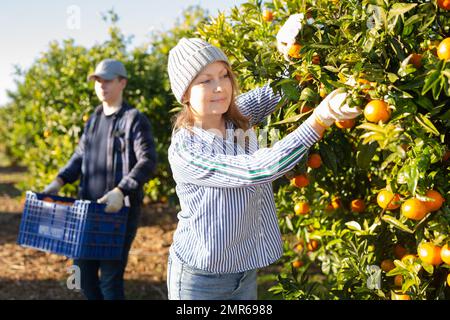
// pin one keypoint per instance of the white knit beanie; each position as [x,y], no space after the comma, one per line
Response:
[187,59]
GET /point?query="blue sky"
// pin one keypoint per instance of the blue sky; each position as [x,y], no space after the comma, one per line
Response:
[26,27]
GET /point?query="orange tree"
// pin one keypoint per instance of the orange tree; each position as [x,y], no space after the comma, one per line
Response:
[374,214]
[42,125]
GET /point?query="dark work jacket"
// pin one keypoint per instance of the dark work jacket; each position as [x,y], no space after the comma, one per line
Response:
[138,155]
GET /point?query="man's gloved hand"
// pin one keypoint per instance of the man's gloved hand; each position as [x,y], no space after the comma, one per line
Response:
[333,108]
[113,200]
[54,186]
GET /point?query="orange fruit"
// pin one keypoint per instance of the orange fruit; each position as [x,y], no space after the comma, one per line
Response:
[387,265]
[429,253]
[322,91]
[304,109]
[416,60]
[445,254]
[345,124]
[267,15]
[299,247]
[414,209]
[377,110]
[312,245]
[336,203]
[400,251]
[315,59]
[47,133]
[358,205]
[294,51]
[448,279]
[398,280]
[444,4]
[399,296]
[314,161]
[437,203]
[300,181]
[443,50]
[301,208]
[387,200]
[85,118]
[297,264]
[446,156]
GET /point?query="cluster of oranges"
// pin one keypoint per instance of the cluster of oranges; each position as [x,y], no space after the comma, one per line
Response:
[413,208]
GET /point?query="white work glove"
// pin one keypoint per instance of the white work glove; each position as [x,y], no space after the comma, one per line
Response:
[333,108]
[113,200]
[54,186]
[287,33]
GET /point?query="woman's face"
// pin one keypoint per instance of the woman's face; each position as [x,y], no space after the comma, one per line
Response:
[210,93]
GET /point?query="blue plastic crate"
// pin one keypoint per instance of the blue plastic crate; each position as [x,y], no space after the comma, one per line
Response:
[78,229]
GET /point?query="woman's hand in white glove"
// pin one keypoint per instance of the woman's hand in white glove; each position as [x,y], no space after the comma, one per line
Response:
[334,108]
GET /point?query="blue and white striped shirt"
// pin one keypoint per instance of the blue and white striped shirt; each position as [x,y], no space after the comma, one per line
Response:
[228,221]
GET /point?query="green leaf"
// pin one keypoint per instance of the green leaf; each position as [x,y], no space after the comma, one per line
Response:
[365,154]
[291,91]
[400,9]
[431,81]
[396,223]
[353,225]
[292,119]
[328,157]
[428,267]
[308,95]
[426,124]
[289,223]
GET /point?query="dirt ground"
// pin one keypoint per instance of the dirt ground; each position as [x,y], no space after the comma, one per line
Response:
[30,274]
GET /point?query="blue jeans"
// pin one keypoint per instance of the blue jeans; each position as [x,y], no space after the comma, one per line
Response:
[187,283]
[109,285]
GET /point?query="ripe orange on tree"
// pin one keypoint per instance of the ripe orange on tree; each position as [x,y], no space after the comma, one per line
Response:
[445,254]
[416,60]
[345,124]
[399,251]
[429,253]
[336,202]
[297,264]
[446,156]
[387,265]
[437,203]
[399,296]
[414,209]
[387,200]
[398,280]
[314,161]
[443,50]
[294,51]
[300,180]
[315,59]
[267,15]
[448,279]
[304,109]
[301,208]
[358,205]
[377,110]
[444,4]
[312,245]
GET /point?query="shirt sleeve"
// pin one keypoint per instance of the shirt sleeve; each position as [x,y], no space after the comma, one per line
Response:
[191,164]
[257,104]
